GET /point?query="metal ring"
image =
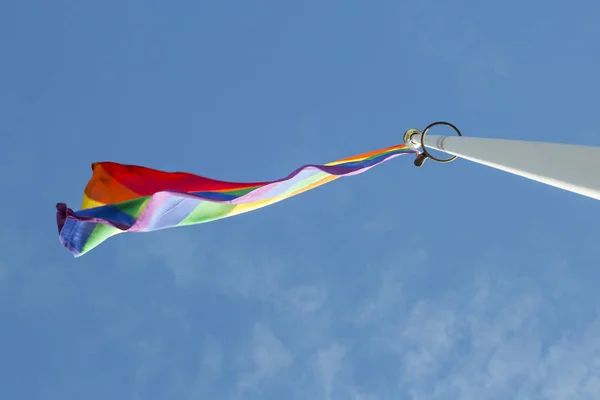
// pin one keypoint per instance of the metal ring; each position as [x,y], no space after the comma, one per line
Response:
[427,154]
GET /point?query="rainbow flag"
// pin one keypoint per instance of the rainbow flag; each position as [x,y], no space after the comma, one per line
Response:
[129,198]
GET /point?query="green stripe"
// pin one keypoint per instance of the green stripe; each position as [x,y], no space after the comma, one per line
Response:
[133,207]
[100,233]
[207,211]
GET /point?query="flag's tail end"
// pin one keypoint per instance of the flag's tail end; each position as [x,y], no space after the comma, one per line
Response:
[62,216]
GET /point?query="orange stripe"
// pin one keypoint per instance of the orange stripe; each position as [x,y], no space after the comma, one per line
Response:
[104,189]
[368,154]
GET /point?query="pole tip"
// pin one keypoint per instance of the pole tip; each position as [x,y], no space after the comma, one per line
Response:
[408,138]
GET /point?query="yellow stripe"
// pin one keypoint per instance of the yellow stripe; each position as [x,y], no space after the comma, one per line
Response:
[90,203]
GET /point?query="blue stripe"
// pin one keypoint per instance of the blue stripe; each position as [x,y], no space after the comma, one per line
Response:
[108,212]
[76,233]
[220,196]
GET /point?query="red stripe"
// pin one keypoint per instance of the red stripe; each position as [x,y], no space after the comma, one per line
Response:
[147,181]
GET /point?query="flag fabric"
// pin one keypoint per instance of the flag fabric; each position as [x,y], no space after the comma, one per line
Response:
[129,198]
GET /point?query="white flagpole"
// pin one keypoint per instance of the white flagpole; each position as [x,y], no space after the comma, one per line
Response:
[570,167]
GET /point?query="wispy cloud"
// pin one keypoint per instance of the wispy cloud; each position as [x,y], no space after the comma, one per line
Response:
[269,356]
[489,339]
[306,298]
[388,295]
[328,363]
[210,368]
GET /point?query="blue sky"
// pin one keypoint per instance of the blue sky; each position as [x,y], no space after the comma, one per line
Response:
[444,282]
